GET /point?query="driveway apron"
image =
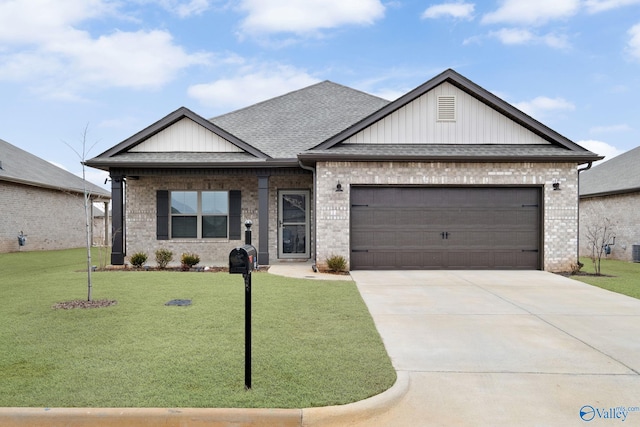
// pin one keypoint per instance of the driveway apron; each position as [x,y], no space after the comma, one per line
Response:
[505,348]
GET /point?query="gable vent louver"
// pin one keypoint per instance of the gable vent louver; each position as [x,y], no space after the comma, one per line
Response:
[447,108]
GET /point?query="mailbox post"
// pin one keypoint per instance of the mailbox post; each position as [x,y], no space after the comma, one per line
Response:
[243,260]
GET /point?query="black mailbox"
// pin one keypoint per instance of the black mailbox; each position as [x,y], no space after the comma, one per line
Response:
[243,260]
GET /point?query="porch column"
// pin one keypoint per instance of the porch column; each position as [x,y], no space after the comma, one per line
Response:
[263,220]
[117,221]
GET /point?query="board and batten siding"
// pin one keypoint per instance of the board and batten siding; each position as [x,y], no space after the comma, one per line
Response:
[475,123]
[186,136]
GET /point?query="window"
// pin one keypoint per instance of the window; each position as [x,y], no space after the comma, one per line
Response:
[199,214]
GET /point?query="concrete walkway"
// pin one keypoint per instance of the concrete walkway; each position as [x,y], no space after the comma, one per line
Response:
[495,348]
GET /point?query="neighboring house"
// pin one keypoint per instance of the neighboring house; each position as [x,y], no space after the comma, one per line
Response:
[611,191]
[42,201]
[448,176]
[101,227]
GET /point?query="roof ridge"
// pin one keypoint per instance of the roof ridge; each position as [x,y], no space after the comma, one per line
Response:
[268,100]
[275,98]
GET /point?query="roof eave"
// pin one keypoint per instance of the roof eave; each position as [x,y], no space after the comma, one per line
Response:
[107,165]
[312,157]
[610,193]
[106,195]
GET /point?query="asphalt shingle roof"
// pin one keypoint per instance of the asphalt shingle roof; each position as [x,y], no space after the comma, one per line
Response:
[621,174]
[289,124]
[22,167]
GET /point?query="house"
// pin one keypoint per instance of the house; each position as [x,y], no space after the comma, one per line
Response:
[41,201]
[448,176]
[611,191]
[101,226]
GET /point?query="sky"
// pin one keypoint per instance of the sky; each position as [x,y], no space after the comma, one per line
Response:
[80,76]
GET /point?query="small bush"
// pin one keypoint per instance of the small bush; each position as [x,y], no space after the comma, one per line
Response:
[163,257]
[188,260]
[575,268]
[138,259]
[337,263]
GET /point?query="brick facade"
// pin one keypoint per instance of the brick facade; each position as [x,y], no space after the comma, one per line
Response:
[141,214]
[50,219]
[622,211]
[560,212]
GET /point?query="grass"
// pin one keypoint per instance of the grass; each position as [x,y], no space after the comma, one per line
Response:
[618,276]
[314,343]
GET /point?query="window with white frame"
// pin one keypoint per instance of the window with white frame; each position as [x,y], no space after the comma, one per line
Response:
[199,214]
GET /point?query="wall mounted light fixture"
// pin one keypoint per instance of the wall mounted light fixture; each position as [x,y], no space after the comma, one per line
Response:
[338,187]
[556,184]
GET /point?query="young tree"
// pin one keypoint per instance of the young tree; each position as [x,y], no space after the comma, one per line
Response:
[88,204]
[600,234]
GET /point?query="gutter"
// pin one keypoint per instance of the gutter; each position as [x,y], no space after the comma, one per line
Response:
[586,168]
[315,210]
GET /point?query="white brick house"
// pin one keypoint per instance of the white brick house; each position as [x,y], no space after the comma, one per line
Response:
[611,190]
[448,176]
[43,201]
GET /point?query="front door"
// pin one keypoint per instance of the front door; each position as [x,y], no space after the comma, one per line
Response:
[293,224]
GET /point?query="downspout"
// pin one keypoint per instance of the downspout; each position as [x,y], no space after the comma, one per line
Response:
[315,224]
[586,168]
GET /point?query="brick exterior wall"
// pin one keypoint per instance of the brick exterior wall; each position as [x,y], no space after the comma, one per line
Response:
[622,210]
[560,211]
[141,214]
[50,219]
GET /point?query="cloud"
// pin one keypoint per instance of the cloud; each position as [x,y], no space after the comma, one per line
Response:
[38,21]
[307,16]
[601,148]
[610,129]
[541,105]
[595,6]
[531,12]
[59,60]
[185,9]
[513,35]
[633,45]
[454,10]
[255,83]
[522,36]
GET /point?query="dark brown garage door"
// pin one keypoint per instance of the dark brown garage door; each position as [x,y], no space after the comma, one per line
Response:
[445,228]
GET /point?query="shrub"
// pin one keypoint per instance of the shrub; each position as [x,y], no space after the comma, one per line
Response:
[138,259]
[337,263]
[163,257]
[188,260]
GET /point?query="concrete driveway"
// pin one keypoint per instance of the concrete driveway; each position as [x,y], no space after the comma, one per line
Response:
[497,348]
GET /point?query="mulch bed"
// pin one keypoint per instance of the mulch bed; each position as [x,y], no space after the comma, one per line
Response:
[66,305]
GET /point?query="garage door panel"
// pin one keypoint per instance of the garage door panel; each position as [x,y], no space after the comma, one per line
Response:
[468,259]
[414,227]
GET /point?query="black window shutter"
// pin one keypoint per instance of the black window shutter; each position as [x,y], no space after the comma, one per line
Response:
[162,215]
[235,215]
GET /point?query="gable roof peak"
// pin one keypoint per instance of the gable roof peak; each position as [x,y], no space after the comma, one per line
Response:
[453,77]
[169,120]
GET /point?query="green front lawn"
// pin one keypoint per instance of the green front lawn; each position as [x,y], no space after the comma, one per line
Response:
[314,343]
[618,276]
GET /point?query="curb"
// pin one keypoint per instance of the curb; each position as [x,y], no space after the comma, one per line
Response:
[209,417]
[357,412]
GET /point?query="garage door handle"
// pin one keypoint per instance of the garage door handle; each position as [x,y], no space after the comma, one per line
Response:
[529,250]
[359,250]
